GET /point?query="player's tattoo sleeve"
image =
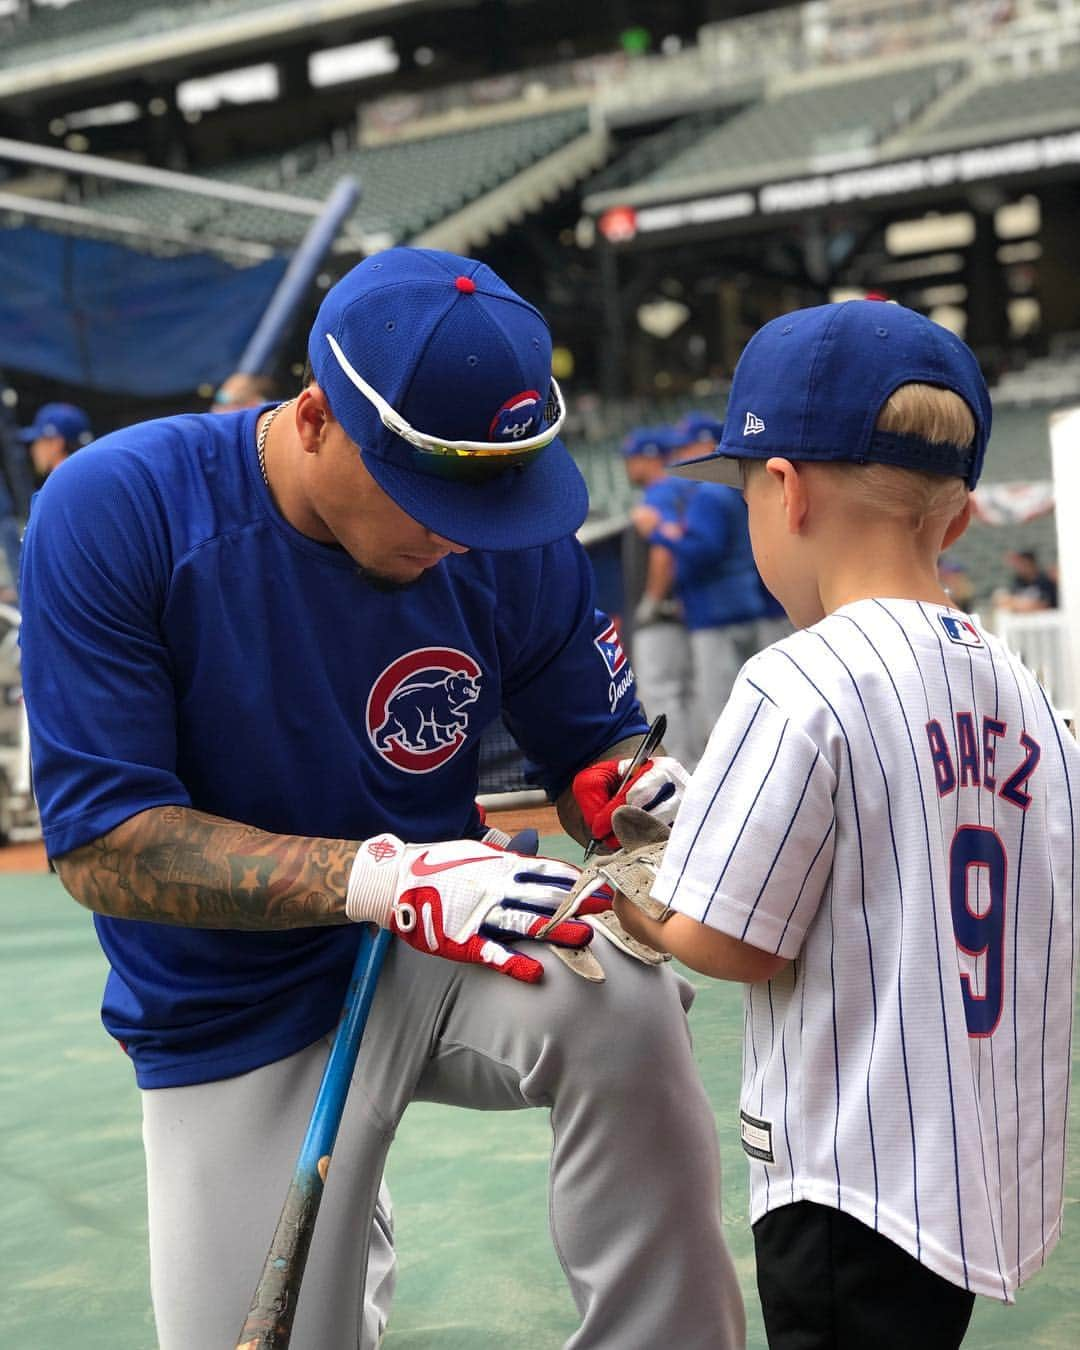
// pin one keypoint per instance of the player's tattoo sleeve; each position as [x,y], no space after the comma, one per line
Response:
[175,865]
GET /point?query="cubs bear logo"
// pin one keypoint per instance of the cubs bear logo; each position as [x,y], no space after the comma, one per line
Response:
[417,711]
[518,418]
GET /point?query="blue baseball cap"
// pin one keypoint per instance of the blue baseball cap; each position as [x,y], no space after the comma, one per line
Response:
[653,442]
[59,419]
[441,374]
[810,385]
[699,426]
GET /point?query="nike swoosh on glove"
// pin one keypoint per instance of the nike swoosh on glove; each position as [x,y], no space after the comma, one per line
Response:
[463,900]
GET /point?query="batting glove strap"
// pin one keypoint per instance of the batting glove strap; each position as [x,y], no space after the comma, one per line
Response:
[374,880]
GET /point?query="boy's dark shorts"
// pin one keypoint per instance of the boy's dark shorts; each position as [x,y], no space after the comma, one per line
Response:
[827,1282]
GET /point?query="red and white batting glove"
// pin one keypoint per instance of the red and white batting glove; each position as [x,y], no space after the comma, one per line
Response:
[657,787]
[463,899]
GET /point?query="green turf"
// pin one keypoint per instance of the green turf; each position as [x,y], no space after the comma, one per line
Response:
[477,1269]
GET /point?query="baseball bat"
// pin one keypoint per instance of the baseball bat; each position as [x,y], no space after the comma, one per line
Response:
[273,1306]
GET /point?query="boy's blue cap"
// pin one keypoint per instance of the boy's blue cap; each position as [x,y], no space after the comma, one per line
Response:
[810,385]
[459,355]
[59,419]
[653,442]
[699,426]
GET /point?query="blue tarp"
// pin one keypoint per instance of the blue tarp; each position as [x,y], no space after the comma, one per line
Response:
[102,316]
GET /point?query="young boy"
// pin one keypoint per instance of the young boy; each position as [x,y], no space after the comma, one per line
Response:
[881,843]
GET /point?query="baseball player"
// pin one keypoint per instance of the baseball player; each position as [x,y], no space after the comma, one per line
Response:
[259,652]
[880,841]
[660,644]
[721,593]
[57,431]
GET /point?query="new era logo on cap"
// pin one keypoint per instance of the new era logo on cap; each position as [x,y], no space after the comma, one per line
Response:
[753,425]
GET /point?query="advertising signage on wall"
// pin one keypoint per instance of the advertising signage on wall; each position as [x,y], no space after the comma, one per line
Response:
[868,182]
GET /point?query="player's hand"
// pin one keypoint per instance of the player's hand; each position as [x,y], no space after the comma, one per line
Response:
[463,900]
[649,610]
[657,787]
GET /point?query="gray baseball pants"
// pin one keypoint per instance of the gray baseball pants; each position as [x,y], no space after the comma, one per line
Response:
[663,669]
[719,655]
[635,1169]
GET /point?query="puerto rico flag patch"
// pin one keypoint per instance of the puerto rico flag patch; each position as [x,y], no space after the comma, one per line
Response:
[961,631]
[609,645]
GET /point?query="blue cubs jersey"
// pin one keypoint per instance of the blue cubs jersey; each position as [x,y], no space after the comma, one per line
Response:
[670,496]
[183,644]
[716,577]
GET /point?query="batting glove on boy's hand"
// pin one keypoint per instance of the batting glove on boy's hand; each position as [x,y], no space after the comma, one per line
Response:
[657,787]
[463,899]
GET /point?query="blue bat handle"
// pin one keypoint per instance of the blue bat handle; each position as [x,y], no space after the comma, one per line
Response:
[330,1102]
[273,1307]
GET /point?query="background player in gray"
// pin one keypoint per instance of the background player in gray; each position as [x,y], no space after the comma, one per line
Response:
[881,843]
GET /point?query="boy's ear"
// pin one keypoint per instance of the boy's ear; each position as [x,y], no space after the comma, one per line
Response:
[958,524]
[788,482]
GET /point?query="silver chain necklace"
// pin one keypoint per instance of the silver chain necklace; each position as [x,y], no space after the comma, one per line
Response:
[260,442]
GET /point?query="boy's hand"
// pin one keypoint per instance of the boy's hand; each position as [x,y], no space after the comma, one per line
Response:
[627,876]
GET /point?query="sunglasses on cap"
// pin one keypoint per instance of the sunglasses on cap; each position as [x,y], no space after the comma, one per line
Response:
[458,459]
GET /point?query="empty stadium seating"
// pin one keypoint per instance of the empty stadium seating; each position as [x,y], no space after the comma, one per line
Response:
[48,31]
[406,186]
[997,106]
[790,131]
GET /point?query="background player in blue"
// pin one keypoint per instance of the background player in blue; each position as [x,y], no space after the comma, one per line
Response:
[259,651]
[717,582]
[659,642]
[881,842]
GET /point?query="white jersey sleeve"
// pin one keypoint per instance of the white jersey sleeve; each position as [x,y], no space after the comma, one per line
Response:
[752,844]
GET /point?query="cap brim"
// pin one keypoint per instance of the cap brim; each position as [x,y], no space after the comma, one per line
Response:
[717,467]
[538,503]
[26,435]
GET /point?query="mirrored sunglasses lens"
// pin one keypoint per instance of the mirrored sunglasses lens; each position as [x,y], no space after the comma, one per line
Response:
[471,468]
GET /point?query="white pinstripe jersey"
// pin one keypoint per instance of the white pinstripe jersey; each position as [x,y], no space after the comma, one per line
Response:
[889,800]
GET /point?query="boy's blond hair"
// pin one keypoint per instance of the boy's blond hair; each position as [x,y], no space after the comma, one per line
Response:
[934,414]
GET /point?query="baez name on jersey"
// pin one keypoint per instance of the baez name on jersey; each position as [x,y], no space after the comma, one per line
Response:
[976,759]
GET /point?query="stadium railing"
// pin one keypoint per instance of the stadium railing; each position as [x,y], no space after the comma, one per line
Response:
[1040,639]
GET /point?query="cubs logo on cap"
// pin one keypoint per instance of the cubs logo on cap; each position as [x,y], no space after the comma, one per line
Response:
[518,417]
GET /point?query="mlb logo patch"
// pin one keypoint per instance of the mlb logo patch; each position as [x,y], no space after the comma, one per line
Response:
[961,631]
[610,648]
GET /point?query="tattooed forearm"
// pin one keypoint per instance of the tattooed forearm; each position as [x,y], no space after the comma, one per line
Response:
[175,865]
